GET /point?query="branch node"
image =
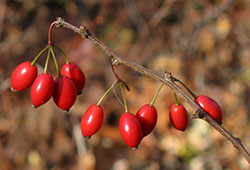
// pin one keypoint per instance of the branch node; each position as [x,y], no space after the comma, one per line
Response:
[114,61]
[59,22]
[197,113]
[85,32]
[238,139]
[168,74]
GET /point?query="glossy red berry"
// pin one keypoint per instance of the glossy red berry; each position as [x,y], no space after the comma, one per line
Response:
[92,120]
[75,73]
[64,93]
[178,117]
[23,76]
[147,116]
[130,129]
[42,89]
[211,107]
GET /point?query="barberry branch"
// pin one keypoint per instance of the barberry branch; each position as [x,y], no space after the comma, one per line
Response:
[166,78]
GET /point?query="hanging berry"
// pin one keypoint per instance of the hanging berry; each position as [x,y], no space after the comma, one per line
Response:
[91,120]
[130,129]
[65,93]
[75,73]
[23,76]
[147,116]
[42,89]
[178,115]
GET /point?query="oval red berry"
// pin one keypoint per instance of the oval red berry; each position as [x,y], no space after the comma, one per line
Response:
[211,107]
[92,120]
[130,129]
[178,117]
[23,76]
[147,116]
[42,89]
[75,73]
[65,93]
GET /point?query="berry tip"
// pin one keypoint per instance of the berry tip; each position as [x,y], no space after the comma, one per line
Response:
[135,148]
[13,90]
[87,137]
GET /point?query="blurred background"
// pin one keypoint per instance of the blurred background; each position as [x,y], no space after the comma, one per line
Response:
[205,43]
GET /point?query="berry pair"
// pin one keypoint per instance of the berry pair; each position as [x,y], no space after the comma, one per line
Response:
[64,88]
[134,127]
[68,85]
[179,117]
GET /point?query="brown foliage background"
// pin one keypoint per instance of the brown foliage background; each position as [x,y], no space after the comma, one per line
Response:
[161,35]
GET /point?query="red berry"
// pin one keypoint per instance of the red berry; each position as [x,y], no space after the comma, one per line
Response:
[178,117]
[23,76]
[210,106]
[92,120]
[75,73]
[147,116]
[130,129]
[42,89]
[65,93]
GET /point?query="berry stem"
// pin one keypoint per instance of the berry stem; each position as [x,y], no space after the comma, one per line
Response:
[156,95]
[64,55]
[49,34]
[123,96]
[176,99]
[55,61]
[47,63]
[107,92]
[118,79]
[175,79]
[38,55]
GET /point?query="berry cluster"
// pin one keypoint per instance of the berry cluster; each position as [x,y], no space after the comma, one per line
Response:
[70,82]
[133,128]
[64,88]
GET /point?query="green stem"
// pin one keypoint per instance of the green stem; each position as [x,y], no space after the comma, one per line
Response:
[38,55]
[55,61]
[107,92]
[155,96]
[123,96]
[47,63]
[64,55]
[175,79]
[176,99]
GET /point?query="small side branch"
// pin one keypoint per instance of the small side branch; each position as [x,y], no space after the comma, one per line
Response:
[166,79]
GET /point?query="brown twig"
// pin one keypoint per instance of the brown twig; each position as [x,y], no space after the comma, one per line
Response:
[166,79]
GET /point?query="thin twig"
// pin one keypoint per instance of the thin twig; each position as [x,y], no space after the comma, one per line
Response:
[166,79]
